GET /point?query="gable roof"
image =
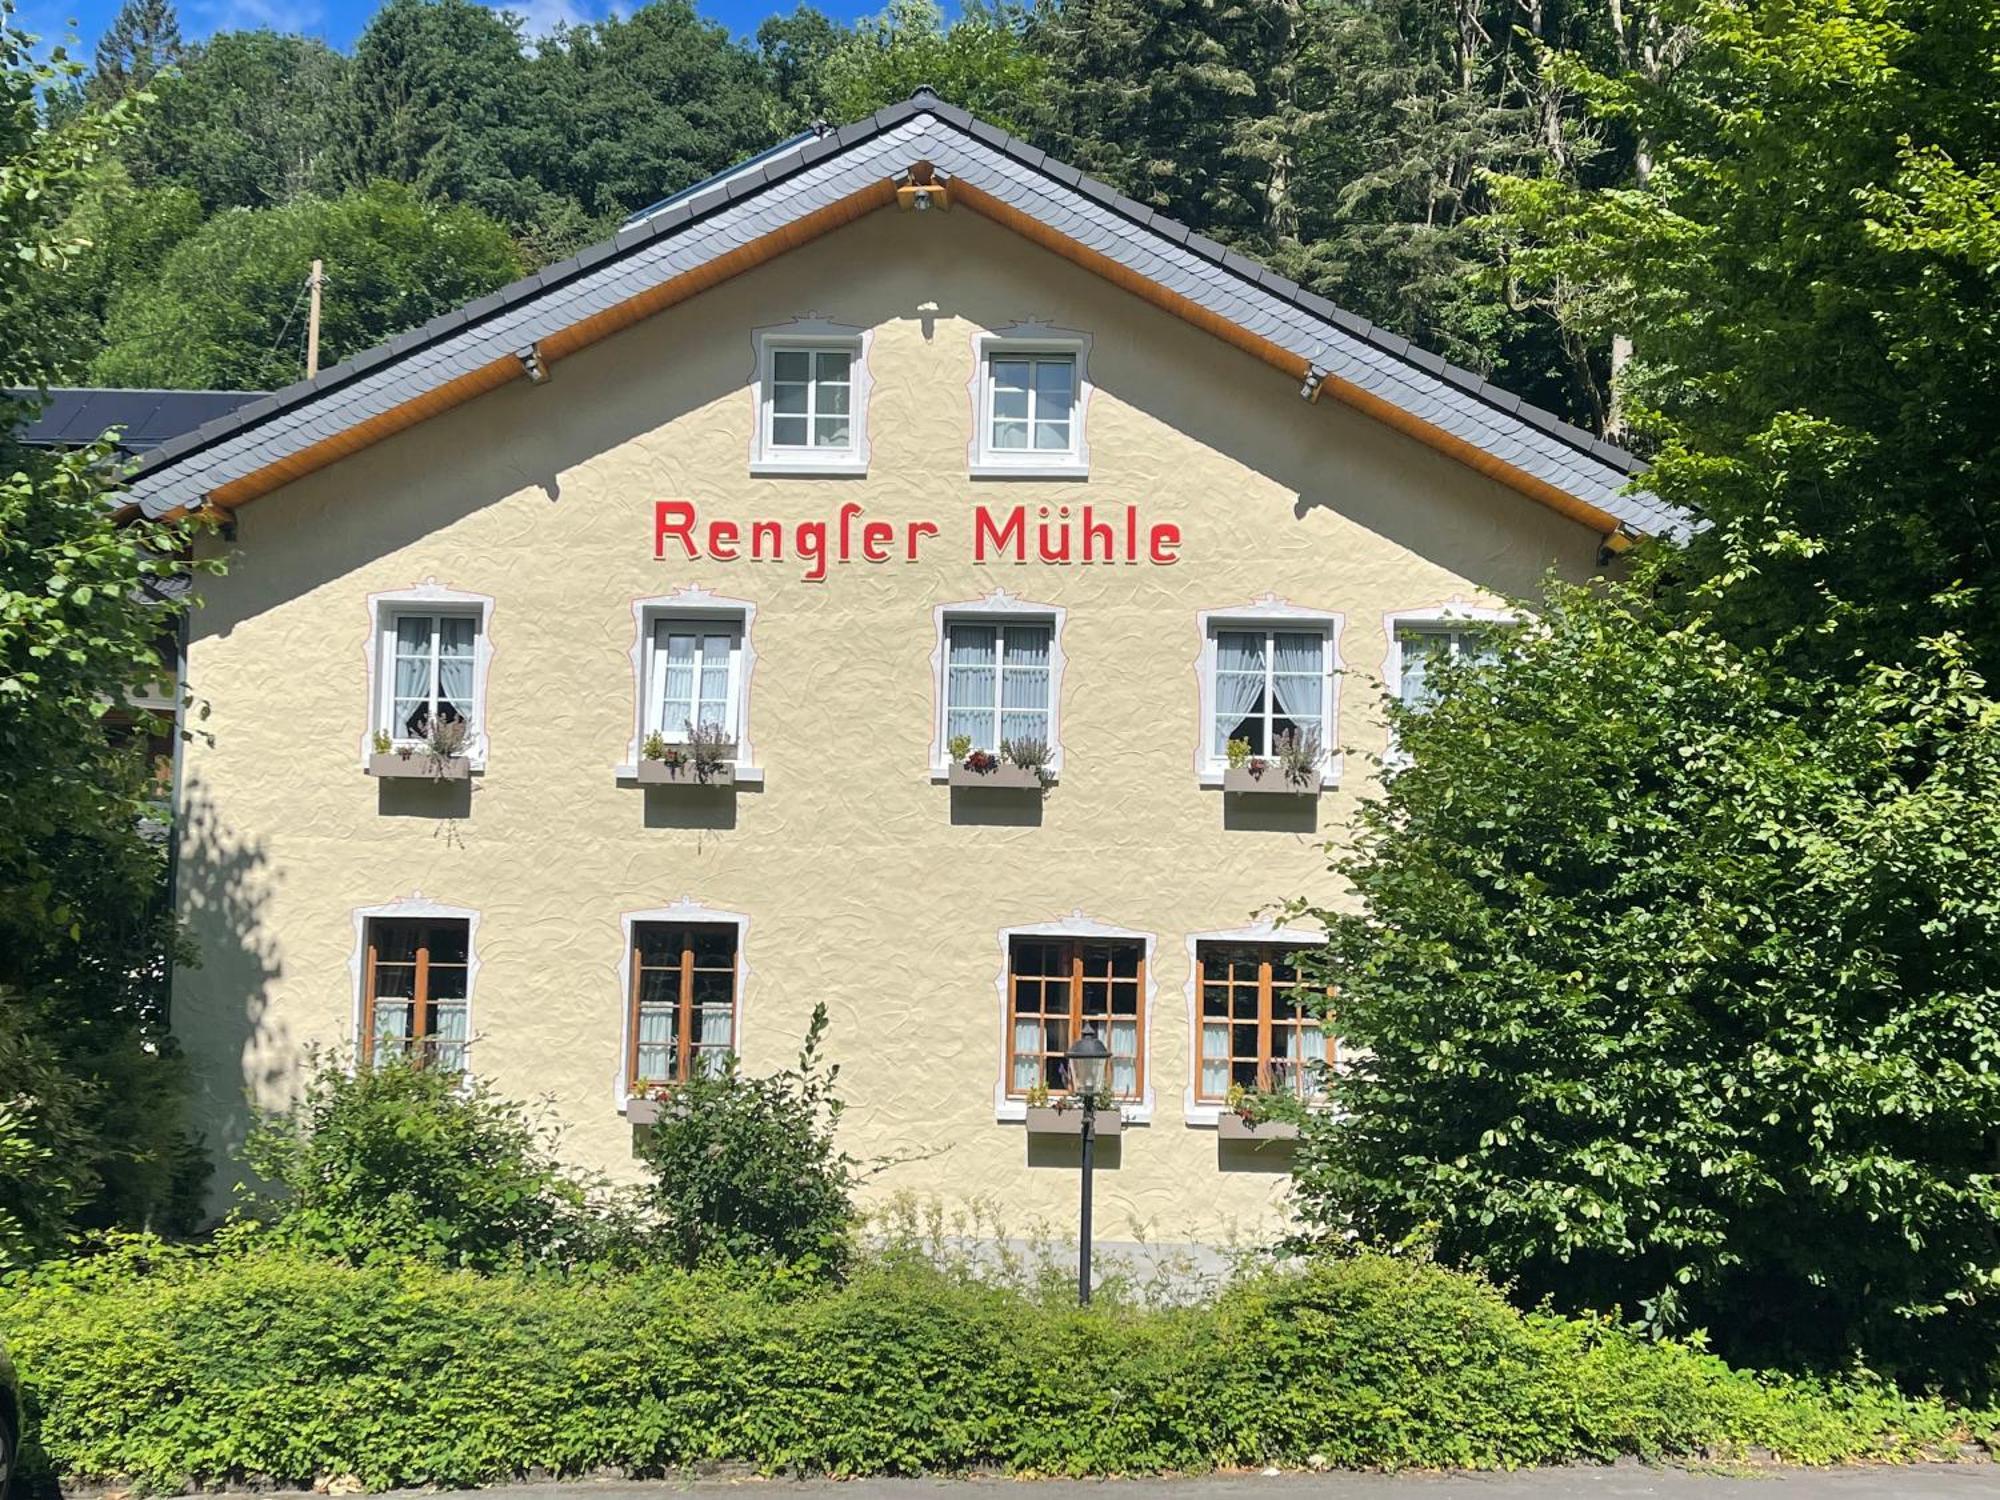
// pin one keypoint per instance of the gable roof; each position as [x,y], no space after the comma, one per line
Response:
[70,416]
[803,189]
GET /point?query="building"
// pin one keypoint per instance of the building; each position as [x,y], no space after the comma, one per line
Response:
[902,434]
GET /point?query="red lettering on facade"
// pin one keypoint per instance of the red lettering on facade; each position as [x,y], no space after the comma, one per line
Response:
[1014,534]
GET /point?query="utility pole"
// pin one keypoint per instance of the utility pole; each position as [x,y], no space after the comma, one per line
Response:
[312,319]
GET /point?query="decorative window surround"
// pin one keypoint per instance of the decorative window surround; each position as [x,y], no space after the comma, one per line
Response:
[982,460]
[810,332]
[1204,1116]
[685,910]
[1453,612]
[379,654]
[420,907]
[692,602]
[997,608]
[1075,925]
[1266,612]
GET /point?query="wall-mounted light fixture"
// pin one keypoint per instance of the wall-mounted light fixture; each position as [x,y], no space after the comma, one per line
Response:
[532,363]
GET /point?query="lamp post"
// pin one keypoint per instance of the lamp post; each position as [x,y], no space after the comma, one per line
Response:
[1089,1062]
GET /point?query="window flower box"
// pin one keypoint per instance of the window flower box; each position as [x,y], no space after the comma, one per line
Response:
[642,1110]
[1047,1119]
[1002,776]
[419,765]
[683,773]
[1231,1126]
[1271,781]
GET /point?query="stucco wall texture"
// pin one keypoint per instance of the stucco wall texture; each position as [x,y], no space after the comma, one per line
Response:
[860,886]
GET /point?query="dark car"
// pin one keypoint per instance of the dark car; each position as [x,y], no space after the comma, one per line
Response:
[10,1423]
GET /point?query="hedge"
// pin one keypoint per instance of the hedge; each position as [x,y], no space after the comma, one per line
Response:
[176,1368]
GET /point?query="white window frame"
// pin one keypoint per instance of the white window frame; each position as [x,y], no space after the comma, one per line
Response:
[816,335]
[685,910]
[1028,340]
[997,608]
[694,606]
[414,907]
[1205,1116]
[1272,616]
[1011,1109]
[429,598]
[1455,615]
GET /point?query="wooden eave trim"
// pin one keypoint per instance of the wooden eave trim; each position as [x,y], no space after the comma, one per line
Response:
[556,346]
[1295,366]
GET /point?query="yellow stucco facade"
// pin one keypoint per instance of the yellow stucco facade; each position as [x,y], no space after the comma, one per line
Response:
[855,875]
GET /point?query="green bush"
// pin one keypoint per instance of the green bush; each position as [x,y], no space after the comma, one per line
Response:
[403,1161]
[746,1169]
[174,1367]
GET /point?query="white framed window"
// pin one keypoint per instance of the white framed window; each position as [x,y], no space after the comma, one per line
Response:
[998,665]
[1030,389]
[1267,670]
[428,656]
[812,399]
[694,677]
[1419,647]
[693,661]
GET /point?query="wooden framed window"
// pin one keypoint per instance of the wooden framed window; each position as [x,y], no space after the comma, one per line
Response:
[683,1020]
[1058,987]
[414,1002]
[1254,1032]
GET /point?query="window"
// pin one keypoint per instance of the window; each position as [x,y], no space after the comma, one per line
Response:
[1030,389]
[1252,1031]
[694,677]
[683,1020]
[1031,403]
[1418,647]
[1267,683]
[812,400]
[997,682]
[1059,987]
[415,1000]
[432,676]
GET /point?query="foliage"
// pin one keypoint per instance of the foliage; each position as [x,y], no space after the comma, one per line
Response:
[655,747]
[142,39]
[1675,988]
[1807,280]
[1299,757]
[216,313]
[91,1084]
[1239,754]
[979,62]
[746,1169]
[1028,754]
[176,1368]
[402,1161]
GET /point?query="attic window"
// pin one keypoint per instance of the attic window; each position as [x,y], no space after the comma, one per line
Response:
[1032,388]
[812,401]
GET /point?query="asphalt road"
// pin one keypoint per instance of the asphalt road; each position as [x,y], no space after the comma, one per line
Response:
[1974,1481]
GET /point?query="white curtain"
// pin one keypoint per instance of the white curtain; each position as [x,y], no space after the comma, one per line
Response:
[1125,1058]
[1297,680]
[1027,1038]
[712,1037]
[656,1043]
[448,1050]
[1024,684]
[1214,1059]
[1239,684]
[715,651]
[411,714]
[1419,648]
[674,663]
[455,637]
[969,684]
[392,1028]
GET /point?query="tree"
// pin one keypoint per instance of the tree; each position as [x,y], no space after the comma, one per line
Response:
[144,38]
[440,97]
[224,309]
[1672,983]
[979,62]
[794,50]
[93,1129]
[1807,279]
[645,105]
[244,122]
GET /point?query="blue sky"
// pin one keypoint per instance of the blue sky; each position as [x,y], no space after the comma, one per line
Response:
[339,20]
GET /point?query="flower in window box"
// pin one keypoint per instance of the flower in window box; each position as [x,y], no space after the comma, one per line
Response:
[1028,755]
[985,762]
[960,746]
[1238,753]
[1299,757]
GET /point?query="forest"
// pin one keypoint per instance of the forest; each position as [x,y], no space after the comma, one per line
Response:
[1348,144]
